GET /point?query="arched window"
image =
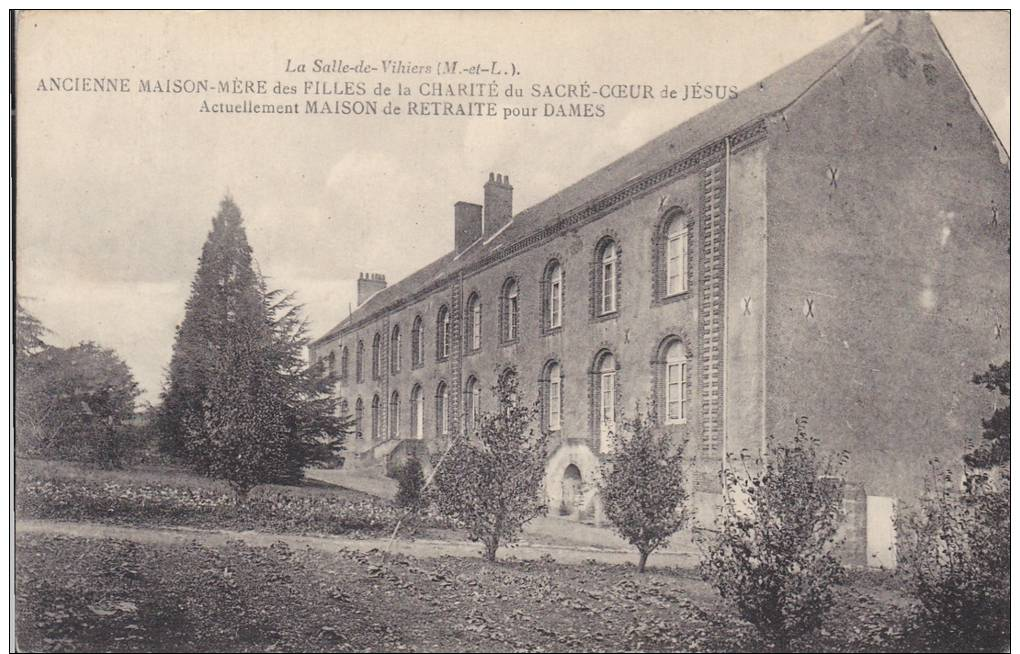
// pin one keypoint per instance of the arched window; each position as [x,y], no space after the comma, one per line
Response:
[417,412]
[443,333]
[672,381]
[552,395]
[472,403]
[359,362]
[343,363]
[474,319]
[510,310]
[417,342]
[395,415]
[607,271]
[376,346]
[395,350]
[359,418]
[604,379]
[676,256]
[442,409]
[553,296]
[331,362]
[376,431]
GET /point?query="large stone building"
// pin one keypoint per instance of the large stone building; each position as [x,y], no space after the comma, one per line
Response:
[833,242]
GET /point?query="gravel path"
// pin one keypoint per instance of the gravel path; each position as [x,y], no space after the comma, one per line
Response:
[424,548]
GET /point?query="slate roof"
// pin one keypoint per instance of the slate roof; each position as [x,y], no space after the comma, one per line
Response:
[767,97]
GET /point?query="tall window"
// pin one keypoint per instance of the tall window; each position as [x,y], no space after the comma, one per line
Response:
[343,363]
[331,362]
[676,257]
[359,362]
[673,381]
[417,342]
[553,396]
[395,350]
[442,409]
[606,278]
[474,327]
[472,403]
[395,415]
[510,310]
[359,418]
[605,398]
[443,333]
[554,296]
[376,346]
[417,412]
[375,417]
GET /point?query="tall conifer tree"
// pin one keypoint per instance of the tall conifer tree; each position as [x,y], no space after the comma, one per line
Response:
[239,403]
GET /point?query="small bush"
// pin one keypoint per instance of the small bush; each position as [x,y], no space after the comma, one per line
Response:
[644,486]
[772,557]
[410,482]
[954,553]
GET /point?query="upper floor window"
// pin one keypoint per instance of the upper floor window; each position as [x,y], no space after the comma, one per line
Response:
[553,395]
[443,333]
[472,403]
[359,362]
[376,346]
[676,257]
[376,417]
[553,300]
[417,342]
[672,371]
[359,418]
[474,318]
[510,310]
[343,363]
[604,394]
[331,362]
[395,350]
[442,409]
[606,278]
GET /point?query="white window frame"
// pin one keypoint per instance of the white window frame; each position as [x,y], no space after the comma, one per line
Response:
[443,410]
[555,397]
[476,324]
[608,301]
[607,402]
[676,266]
[418,413]
[512,311]
[556,297]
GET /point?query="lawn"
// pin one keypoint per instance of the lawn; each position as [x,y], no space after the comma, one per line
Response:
[174,497]
[76,594]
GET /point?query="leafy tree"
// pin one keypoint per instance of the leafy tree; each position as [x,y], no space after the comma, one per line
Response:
[410,482]
[644,486]
[772,556]
[74,403]
[239,402]
[994,450]
[28,333]
[954,552]
[492,480]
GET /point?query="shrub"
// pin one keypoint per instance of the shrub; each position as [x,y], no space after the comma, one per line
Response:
[410,482]
[643,486]
[492,484]
[772,556]
[954,552]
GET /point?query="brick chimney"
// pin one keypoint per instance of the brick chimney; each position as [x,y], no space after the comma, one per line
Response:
[368,285]
[498,203]
[467,224]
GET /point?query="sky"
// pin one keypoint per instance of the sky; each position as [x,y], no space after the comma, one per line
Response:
[115,192]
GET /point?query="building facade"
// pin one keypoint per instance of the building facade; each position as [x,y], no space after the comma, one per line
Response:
[833,242]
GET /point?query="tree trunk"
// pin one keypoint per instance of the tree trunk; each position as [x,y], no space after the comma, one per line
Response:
[491,545]
[642,561]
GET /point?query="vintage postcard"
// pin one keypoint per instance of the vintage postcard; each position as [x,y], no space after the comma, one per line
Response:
[511,330]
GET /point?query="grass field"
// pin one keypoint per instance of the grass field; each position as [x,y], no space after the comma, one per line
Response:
[174,497]
[75,594]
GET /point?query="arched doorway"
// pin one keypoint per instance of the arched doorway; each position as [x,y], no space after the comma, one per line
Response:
[571,490]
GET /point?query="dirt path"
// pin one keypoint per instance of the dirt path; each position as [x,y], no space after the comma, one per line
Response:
[424,548]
